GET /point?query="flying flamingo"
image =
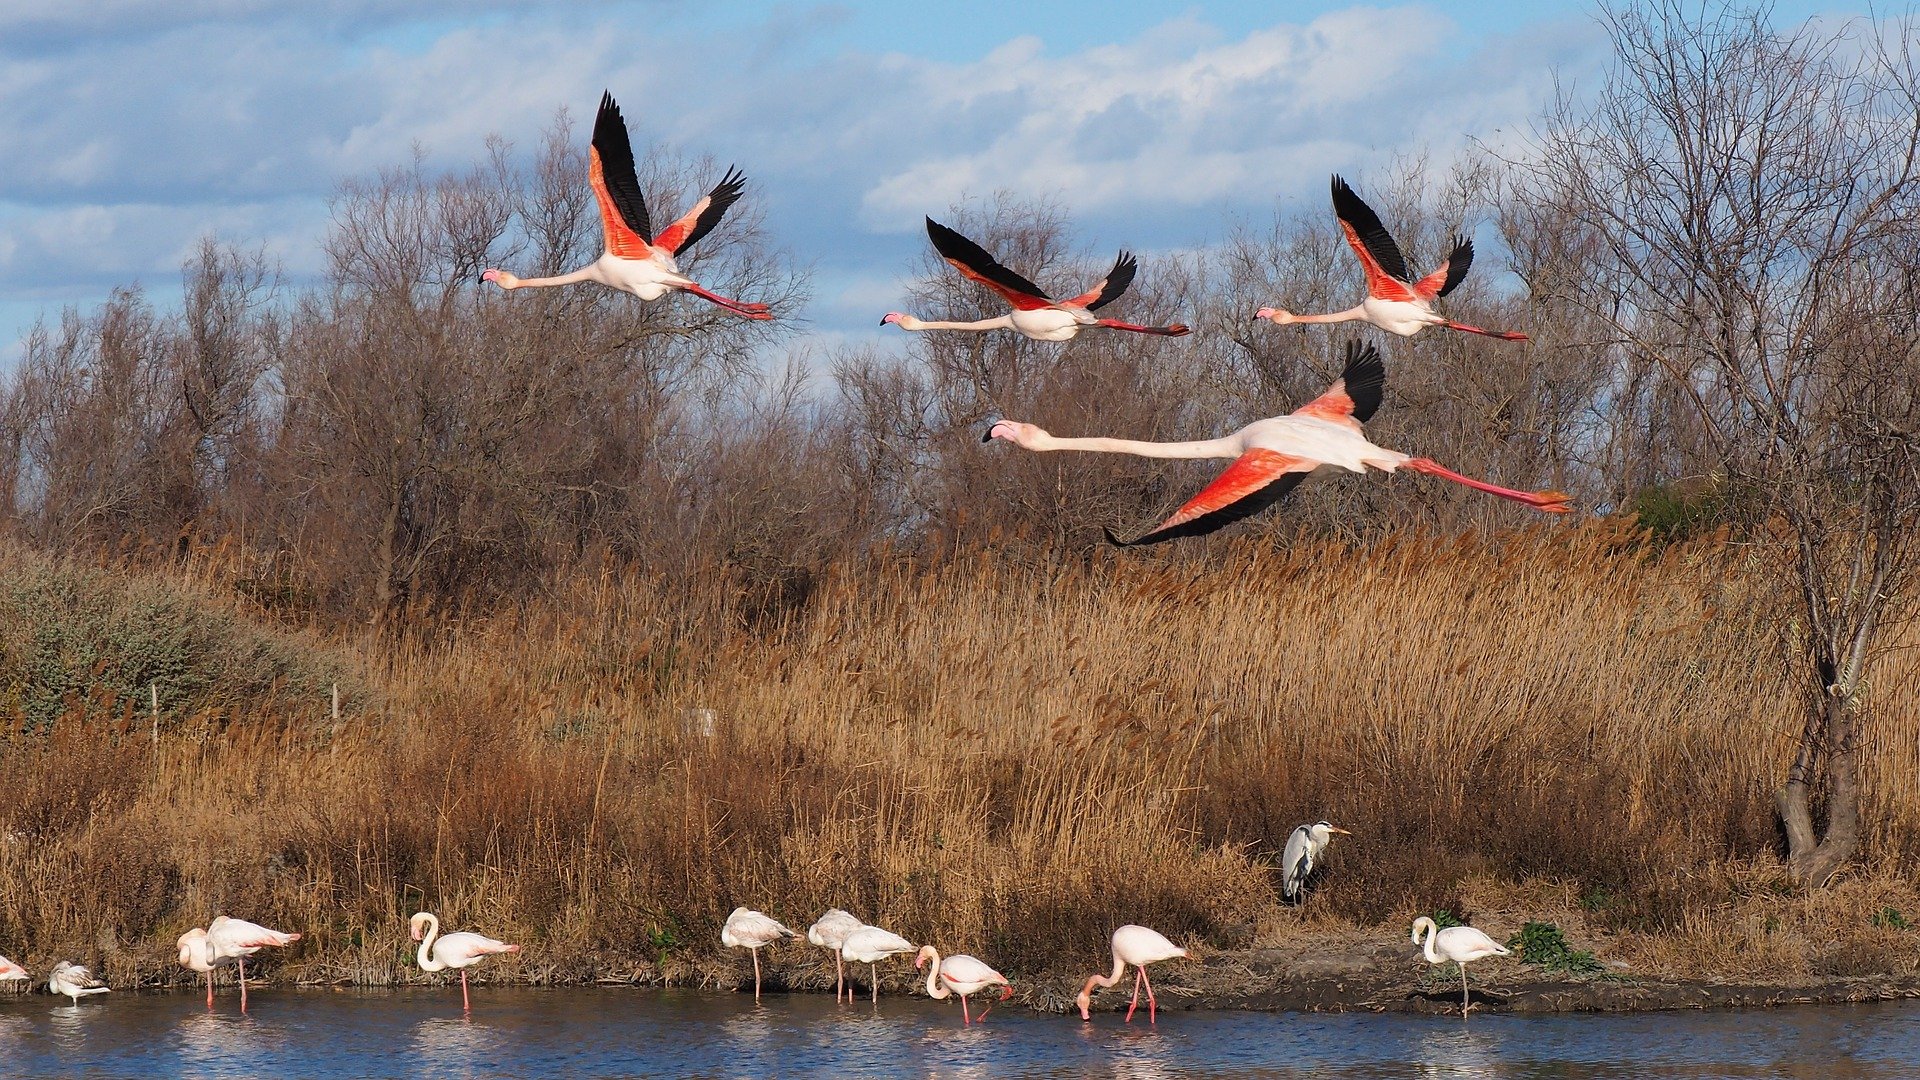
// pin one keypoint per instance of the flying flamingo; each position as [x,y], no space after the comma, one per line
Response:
[1395,302]
[457,950]
[869,945]
[1303,848]
[830,932]
[1033,314]
[1271,456]
[74,980]
[962,975]
[11,972]
[633,263]
[1138,946]
[197,955]
[239,939]
[1458,944]
[748,929]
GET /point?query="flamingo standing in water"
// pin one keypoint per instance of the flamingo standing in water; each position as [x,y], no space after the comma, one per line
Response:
[869,945]
[830,932]
[1271,456]
[962,975]
[75,981]
[633,262]
[457,950]
[1033,314]
[1395,302]
[11,972]
[1138,946]
[748,929]
[238,939]
[1459,944]
[197,955]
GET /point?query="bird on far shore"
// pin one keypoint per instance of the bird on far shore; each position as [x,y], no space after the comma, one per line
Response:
[750,930]
[637,260]
[1138,946]
[239,939]
[1303,850]
[830,932]
[1460,944]
[1272,456]
[960,975]
[74,980]
[869,945]
[461,949]
[1034,314]
[1395,302]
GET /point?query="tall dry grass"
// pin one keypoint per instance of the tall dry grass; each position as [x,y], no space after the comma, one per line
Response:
[995,756]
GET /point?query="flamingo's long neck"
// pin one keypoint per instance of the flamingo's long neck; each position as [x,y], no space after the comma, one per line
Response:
[589,272]
[425,955]
[1119,969]
[1352,314]
[935,988]
[1205,448]
[910,323]
[1431,930]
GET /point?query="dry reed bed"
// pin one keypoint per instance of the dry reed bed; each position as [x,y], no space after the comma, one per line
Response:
[1003,758]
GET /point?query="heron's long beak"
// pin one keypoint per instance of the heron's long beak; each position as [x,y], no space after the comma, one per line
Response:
[1338,829]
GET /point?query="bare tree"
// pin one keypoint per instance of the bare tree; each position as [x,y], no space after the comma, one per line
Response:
[1744,207]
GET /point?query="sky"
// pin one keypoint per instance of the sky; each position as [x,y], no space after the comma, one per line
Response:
[131,129]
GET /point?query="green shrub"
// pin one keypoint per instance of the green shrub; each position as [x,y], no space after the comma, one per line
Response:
[1543,944]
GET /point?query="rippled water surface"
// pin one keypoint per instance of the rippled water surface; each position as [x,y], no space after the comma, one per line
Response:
[607,1032]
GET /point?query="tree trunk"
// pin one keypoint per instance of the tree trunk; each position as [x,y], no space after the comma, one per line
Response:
[1828,741]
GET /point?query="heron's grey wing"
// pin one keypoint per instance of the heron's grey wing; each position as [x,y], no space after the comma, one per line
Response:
[1297,862]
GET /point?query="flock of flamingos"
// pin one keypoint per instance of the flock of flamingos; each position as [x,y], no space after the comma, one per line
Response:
[1269,458]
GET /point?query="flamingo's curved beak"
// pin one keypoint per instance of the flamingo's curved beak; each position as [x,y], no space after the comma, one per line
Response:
[988,437]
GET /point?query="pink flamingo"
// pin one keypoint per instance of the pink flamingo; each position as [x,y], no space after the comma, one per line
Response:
[11,972]
[962,975]
[633,263]
[1034,314]
[869,945]
[1395,302]
[197,955]
[830,932]
[238,939]
[747,929]
[458,950]
[1138,946]
[1272,456]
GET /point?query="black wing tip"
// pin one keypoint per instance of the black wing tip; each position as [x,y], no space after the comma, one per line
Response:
[1114,538]
[1365,379]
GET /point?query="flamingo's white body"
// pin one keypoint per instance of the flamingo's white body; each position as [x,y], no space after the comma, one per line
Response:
[74,980]
[869,945]
[1034,314]
[960,975]
[1395,302]
[830,932]
[196,954]
[11,972]
[1271,456]
[1460,944]
[459,950]
[236,939]
[638,260]
[1139,946]
[1303,849]
[749,929]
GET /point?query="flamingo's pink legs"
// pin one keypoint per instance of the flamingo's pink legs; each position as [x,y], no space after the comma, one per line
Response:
[243,983]
[209,989]
[840,979]
[1174,330]
[1503,335]
[965,1017]
[738,307]
[1151,1019]
[1551,502]
[873,981]
[466,1003]
[1005,993]
[1135,1003]
[756,973]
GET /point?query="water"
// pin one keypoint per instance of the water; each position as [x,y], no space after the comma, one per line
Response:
[581,1032]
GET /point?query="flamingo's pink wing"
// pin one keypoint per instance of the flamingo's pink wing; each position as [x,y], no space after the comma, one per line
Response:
[1256,480]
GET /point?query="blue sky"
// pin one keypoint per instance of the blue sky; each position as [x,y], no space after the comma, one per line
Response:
[132,128]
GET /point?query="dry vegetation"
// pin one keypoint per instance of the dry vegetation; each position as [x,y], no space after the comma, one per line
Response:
[995,756]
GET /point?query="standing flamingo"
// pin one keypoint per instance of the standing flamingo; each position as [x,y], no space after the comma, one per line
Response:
[748,929]
[1138,946]
[1395,302]
[1033,314]
[1303,848]
[869,945]
[1271,456]
[962,975]
[11,972]
[74,980]
[239,939]
[830,932]
[1459,944]
[457,950]
[197,955]
[633,263]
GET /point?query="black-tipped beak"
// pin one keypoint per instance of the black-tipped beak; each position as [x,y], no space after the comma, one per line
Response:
[883,322]
[987,437]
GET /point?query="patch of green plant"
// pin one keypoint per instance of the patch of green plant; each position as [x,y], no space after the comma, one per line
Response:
[1543,944]
[1598,898]
[1889,918]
